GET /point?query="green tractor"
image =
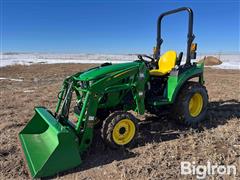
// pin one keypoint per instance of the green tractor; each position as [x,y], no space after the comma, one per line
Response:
[105,96]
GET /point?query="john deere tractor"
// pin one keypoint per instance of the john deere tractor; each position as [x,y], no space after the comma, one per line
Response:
[106,95]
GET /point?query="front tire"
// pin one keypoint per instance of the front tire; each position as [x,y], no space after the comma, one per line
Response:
[191,104]
[120,129]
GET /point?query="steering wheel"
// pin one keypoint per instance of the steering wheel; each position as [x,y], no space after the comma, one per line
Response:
[149,63]
[140,56]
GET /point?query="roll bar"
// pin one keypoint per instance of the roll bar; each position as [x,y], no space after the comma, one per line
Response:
[190,35]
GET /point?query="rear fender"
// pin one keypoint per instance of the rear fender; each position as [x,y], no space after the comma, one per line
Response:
[176,81]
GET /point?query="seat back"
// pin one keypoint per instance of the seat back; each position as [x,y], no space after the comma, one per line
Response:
[167,61]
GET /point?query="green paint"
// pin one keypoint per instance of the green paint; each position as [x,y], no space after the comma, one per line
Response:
[48,146]
[176,82]
[52,143]
[100,72]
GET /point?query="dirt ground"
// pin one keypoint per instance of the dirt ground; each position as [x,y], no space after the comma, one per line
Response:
[162,144]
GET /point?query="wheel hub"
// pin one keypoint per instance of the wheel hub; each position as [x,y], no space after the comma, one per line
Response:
[195,104]
[123,132]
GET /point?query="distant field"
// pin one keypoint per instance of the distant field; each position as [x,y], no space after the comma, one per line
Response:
[161,146]
[230,61]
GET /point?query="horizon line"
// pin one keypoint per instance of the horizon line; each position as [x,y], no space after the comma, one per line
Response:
[106,53]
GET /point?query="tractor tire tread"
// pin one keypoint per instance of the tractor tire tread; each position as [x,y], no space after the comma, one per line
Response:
[179,114]
[109,124]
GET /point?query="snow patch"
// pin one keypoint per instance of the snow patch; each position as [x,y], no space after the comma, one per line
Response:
[11,79]
[230,61]
[29,91]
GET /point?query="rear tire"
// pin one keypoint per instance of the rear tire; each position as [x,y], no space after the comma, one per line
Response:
[119,129]
[190,107]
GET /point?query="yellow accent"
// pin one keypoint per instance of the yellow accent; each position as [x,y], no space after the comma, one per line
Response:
[122,73]
[195,105]
[128,128]
[166,62]
[154,50]
[193,47]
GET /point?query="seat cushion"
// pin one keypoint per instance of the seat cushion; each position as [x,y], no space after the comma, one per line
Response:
[156,72]
[166,63]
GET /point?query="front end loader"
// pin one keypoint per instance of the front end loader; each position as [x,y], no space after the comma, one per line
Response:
[105,97]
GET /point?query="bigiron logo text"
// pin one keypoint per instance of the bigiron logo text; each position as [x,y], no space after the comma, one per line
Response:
[202,171]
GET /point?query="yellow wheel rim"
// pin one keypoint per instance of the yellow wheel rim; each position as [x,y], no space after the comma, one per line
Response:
[195,104]
[123,132]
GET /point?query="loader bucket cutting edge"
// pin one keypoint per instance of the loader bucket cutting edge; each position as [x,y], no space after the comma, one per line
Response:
[48,146]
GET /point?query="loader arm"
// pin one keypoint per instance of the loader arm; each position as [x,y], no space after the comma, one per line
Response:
[90,93]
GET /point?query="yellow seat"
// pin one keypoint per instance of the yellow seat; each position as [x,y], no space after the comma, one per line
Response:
[165,64]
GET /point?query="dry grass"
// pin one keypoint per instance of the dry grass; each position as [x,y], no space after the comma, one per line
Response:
[161,146]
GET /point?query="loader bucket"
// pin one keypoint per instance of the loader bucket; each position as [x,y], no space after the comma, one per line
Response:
[48,146]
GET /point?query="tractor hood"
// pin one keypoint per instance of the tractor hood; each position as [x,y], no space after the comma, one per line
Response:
[100,72]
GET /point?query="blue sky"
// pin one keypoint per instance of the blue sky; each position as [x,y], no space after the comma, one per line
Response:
[70,26]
